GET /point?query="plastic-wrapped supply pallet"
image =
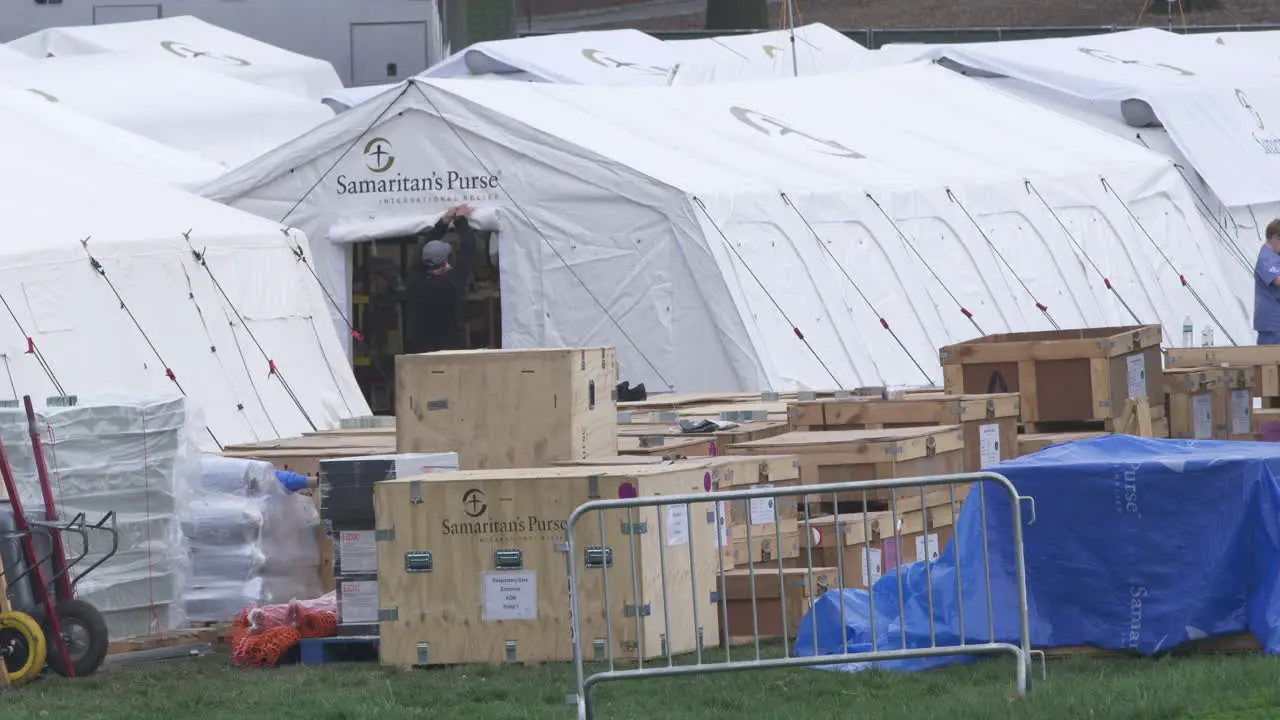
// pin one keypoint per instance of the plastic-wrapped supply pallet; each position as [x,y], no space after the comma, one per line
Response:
[346,506]
[251,541]
[136,457]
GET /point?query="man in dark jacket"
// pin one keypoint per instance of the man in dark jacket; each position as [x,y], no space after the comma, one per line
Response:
[437,291]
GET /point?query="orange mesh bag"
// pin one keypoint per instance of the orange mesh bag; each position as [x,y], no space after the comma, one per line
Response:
[317,624]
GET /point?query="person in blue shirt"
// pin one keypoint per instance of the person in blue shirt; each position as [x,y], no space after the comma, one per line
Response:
[1266,288]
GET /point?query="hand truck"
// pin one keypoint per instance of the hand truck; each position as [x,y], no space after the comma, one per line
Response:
[75,628]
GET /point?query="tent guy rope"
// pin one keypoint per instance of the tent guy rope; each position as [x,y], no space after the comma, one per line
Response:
[883,322]
[1106,281]
[168,371]
[33,349]
[1039,305]
[1181,278]
[963,310]
[199,257]
[213,350]
[794,328]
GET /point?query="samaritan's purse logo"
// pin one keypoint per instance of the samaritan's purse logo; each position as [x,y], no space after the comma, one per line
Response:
[184,50]
[1268,141]
[474,506]
[378,150]
[451,186]
[776,128]
[1105,56]
[600,58]
[473,503]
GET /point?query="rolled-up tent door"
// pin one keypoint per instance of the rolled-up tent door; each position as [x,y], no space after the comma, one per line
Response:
[1139,113]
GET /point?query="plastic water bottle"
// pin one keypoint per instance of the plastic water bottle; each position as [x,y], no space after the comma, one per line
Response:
[1188,333]
[1206,336]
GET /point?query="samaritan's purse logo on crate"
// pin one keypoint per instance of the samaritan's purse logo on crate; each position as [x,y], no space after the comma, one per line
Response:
[478,523]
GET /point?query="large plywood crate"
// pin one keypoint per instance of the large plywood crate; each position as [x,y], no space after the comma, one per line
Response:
[508,408]
[865,545]
[1210,403]
[990,422]
[1062,375]
[757,599]
[840,456]
[1264,359]
[470,569]
[1032,443]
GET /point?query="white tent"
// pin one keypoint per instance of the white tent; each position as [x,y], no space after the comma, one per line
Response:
[601,57]
[95,326]
[1216,101]
[734,58]
[215,117]
[8,56]
[1201,102]
[679,224]
[187,39]
[142,155]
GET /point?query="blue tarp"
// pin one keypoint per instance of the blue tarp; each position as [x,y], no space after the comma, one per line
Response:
[1138,545]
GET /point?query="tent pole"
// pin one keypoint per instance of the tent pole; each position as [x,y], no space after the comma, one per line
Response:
[791,22]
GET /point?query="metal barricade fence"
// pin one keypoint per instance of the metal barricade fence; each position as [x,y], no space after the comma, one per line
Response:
[675,641]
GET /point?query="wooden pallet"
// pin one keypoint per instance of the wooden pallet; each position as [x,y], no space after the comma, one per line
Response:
[1139,418]
[215,634]
[1233,644]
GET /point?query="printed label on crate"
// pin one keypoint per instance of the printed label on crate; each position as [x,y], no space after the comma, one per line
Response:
[872,566]
[409,465]
[988,445]
[1241,404]
[357,551]
[762,509]
[722,533]
[1136,367]
[1202,416]
[509,595]
[677,525]
[358,602]
[932,550]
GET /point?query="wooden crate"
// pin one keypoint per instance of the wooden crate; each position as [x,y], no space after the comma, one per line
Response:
[1200,406]
[1062,375]
[508,408]
[868,544]
[1264,359]
[1032,443]
[838,456]
[797,585]
[1233,401]
[1189,393]
[1266,423]
[990,422]
[467,609]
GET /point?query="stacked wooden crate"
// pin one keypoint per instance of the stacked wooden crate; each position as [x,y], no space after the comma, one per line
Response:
[1073,383]
[1210,403]
[1264,363]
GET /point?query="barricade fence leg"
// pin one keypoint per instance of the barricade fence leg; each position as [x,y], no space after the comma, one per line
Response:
[653,578]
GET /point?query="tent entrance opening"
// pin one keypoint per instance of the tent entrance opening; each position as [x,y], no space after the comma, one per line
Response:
[381,271]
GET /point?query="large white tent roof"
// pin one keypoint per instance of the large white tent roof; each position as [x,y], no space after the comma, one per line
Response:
[704,220]
[631,57]
[64,203]
[212,116]
[188,39]
[599,57]
[817,49]
[143,155]
[1219,104]
[8,56]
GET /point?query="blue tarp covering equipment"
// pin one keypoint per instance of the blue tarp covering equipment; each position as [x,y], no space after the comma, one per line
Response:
[1138,545]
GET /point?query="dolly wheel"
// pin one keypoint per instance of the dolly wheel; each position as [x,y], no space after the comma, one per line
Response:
[22,646]
[85,633]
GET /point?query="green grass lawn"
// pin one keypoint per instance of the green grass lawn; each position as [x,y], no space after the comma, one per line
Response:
[1188,688]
